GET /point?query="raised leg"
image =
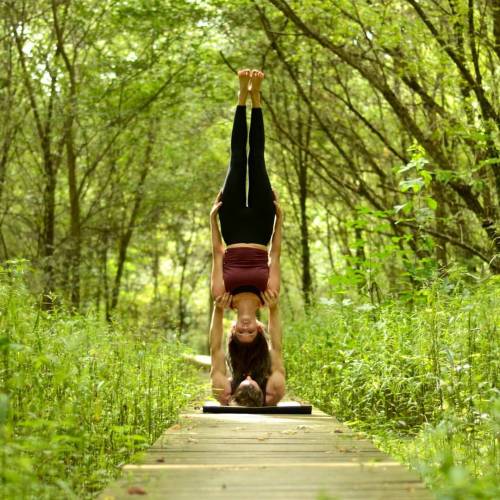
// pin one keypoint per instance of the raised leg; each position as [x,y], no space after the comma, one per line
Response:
[234,192]
[260,193]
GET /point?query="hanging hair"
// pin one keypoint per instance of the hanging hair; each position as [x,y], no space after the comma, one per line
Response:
[252,359]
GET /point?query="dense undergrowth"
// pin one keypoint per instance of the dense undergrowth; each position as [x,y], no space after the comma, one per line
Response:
[420,376]
[77,396]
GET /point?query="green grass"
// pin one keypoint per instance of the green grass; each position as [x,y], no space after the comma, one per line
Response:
[78,397]
[420,377]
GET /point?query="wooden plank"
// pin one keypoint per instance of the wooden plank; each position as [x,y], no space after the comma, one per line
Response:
[265,456]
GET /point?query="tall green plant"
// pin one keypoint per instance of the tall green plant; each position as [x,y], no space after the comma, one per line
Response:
[77,396]
[420,375]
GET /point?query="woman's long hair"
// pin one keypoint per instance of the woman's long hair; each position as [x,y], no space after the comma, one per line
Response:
[250,358]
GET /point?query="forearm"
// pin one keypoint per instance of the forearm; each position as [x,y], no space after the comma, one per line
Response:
[217,244]
[275,251]
[221,386]
[274,282]
[215,335]
[217,286]
[274,328]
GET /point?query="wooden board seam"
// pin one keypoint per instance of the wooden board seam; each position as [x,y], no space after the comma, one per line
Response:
[258,465]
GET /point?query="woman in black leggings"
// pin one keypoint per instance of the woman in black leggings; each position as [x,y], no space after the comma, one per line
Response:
[246,272]
[251,222]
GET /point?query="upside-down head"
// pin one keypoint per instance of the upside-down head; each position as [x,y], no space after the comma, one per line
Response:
[250,364]
[246,328]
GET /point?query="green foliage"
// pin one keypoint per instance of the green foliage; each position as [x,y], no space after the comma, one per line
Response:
[385,156]
[422,376]
[78,397]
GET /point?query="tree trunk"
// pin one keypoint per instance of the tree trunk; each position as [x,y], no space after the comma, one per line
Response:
[304,236]
[104,274]
[360,257]
[71,161]
[127,235]
[402,111]
[44,130]
[9,125]
[48,242]
[441,252]
[495,5]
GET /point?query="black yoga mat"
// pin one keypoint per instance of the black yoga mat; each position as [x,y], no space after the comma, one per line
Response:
[283,409]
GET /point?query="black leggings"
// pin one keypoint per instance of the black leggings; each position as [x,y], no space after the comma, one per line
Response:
[241,223]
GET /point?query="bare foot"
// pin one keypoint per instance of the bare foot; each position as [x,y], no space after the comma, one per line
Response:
[255,84]
[244,76]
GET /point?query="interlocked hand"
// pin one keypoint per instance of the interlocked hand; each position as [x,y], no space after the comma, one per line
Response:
[223,301]
[270,298]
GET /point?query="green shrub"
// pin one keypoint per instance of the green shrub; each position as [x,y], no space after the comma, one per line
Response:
[422,376]
[78,396]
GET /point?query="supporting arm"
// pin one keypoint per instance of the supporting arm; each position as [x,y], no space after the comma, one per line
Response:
[217,279]
[274,281]
[221,387]
[275,388]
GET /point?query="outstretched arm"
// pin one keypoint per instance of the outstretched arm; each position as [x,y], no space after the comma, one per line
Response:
[217,280]
[221,386]
[274,281]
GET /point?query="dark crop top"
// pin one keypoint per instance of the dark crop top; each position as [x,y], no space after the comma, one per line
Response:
[245,269]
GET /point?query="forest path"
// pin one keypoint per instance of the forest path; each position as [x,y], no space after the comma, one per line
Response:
[244,456]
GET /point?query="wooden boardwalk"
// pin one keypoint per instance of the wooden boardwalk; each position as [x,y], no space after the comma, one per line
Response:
[242,456]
